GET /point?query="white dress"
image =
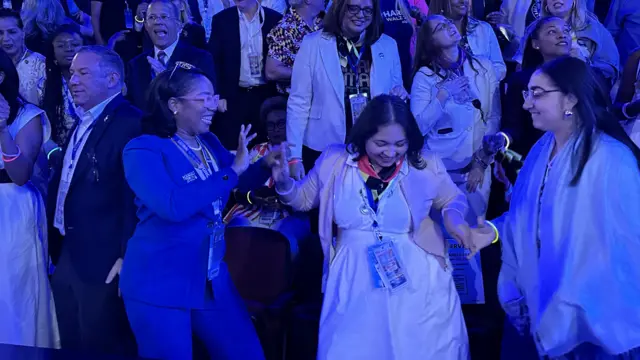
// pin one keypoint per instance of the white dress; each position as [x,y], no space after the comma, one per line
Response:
[27,311]
[422,321]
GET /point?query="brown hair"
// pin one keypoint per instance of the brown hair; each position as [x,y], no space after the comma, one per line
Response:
[336,13]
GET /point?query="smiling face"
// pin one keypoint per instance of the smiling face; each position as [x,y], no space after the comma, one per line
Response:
[162,24]
[11,37]
[357,17]
[387,146]
[547,104]
[65,47]
[444,32]
[195,109]
[560,8]
[459,8]
[554,39]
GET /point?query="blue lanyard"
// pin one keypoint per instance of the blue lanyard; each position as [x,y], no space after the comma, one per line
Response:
[193,158]
[358,55]
[70,107]
[77,142]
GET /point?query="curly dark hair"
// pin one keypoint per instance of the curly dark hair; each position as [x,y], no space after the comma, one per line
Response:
[532,58]
[385,110]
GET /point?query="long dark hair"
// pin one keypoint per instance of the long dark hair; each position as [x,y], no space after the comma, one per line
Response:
[9,86]
[174,82]
[443,7]
[385,110]
[532,58]
[337,12]
[53,101]
[573,76]
[427,55]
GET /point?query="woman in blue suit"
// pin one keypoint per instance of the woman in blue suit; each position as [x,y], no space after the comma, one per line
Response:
[173,280]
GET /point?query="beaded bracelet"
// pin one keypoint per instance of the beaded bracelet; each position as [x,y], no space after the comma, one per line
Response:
[7,158]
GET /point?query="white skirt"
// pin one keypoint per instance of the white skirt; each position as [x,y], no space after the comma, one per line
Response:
[422,321]
[27,311]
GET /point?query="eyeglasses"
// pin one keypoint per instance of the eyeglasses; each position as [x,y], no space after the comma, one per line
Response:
[182,65]
[279,125]
[537,93]
[155,18]
[211,101]
[355,10]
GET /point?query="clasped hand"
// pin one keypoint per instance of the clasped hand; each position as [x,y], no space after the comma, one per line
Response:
[274,157]
[472,238]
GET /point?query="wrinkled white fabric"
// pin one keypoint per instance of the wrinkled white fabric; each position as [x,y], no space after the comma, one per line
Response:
[583,286]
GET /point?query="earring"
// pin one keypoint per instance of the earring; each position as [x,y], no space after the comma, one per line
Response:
[568,113]
[175,112]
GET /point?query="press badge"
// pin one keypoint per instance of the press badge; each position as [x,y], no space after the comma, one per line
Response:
[254,64]
[387,265]
[62,194]
[128,18]
[358,103]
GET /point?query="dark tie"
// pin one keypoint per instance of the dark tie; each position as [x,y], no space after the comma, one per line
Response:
[162,57]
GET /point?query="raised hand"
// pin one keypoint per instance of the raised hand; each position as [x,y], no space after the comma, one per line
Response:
[280,169]
[482,236]
[243,157]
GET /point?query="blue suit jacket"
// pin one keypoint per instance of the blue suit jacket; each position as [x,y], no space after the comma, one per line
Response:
[166,259]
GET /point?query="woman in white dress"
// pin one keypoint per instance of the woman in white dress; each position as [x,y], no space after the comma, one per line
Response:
[26,304]
[569,277]
[388,290]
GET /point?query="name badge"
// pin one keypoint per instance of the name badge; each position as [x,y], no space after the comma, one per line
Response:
[358,103]
[58,220]
[387,265]
[128,18]
[254,64]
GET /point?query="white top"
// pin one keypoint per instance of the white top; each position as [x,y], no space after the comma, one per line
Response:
[208,8]
[83,131]
[277,5]
[24,115]
[32,73]
[251,44]
[316,101]
[483,42]
[455,131]
[168,51]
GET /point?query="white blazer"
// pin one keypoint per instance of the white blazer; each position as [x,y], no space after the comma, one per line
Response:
[455,131]
[316,109]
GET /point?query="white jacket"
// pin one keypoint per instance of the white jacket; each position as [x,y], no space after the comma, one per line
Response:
[316,109]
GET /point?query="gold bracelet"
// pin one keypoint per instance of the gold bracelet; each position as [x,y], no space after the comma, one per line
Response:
[249,197]
[495,240]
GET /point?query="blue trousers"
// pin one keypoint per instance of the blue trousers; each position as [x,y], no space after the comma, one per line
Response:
[223,325]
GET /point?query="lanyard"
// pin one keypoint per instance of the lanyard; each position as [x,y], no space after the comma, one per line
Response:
[77,142]
[71,108]
[354,65]
[373,208]
[195,161]
[246,22]
[126,3]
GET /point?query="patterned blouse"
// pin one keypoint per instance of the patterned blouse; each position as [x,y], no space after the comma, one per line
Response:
[31,70]
[285,38]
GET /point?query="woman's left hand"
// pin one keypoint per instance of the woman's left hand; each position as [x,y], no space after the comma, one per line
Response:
[400,92]
[458,228]
[475,178]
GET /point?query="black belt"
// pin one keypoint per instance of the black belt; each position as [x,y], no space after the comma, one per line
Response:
[4,177]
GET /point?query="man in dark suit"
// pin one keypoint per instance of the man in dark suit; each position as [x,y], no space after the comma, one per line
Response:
[163,26]
[239,46]
[91,208]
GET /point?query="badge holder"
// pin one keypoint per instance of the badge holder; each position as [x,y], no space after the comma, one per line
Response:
[386,269]
[254,64]
[128,17]
[216,243]
[358,103]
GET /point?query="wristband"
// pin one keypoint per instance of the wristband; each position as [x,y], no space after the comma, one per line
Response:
[294,161]
[249,197]
[138,20]
[495,240]
[52,151]
[624,111]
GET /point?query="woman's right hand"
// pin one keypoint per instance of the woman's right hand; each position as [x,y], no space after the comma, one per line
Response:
[243,158]
[496,18]
[280,170]
[455,86]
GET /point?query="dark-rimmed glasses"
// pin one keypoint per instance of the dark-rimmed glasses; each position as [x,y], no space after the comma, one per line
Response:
[537,93]
[355,10]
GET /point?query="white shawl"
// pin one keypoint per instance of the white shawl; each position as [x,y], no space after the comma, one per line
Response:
[585,285]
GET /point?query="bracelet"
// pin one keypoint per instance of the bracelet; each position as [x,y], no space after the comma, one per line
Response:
[495,240]
[138,20]
[9,158]
[506,138]
[52,151]
[249,197]
[624,111]
[295,161]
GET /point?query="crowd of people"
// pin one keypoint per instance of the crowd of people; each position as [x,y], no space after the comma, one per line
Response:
[134,133]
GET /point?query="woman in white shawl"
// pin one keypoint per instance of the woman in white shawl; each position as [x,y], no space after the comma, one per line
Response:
[570,277]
